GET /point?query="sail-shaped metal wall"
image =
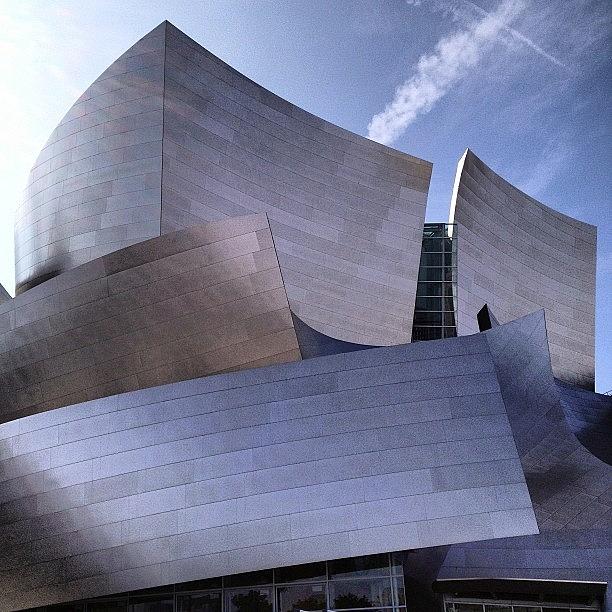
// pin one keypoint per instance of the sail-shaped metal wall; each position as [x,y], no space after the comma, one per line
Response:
[346,213]
[518,256]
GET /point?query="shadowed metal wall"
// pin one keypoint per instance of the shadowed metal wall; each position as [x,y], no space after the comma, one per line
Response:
[190,303]
[589,416]
[346,212]
[569,486]
[95,186]
[369,451]
[518,256]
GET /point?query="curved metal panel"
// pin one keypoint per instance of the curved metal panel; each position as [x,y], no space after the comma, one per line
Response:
[202,300]
[315,344]
[569,486]
[338,456]
[518,256]
[589,416]
[95,186]
[346,212]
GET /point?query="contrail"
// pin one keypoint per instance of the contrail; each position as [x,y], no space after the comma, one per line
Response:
[437,72]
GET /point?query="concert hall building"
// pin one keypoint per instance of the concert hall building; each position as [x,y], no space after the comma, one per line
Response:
[242,374]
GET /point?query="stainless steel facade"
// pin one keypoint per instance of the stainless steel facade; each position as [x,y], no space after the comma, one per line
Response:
[206,299]
[339,456]
[518,256]
[347,213]
[183,227]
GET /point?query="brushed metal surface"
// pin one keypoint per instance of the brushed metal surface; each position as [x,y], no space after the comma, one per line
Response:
[569,486]
[206,299]
[346,212]
[330,457]
[518,256]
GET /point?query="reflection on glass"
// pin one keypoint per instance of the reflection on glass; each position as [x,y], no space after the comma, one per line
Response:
[429,303]
[398,589]
[429,288]
[427,318]
[347,594]
[432,259]
[294,573]
[298,597]
[464,607]
[426,333]
[199,602]
[249,579]
[159,603]
[430,274]
[200,585]
[397,567]
[372,565]
[248,600]
[118,605]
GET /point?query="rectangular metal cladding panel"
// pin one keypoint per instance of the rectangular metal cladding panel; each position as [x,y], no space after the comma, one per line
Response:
[206,299]
[518,256]
[364,452]
[96,185]
[346,213]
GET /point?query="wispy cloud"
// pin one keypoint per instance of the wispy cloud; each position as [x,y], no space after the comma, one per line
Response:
[462,9]
[546,169]
[436,73]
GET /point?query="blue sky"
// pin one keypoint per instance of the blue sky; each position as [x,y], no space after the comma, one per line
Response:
[525,84]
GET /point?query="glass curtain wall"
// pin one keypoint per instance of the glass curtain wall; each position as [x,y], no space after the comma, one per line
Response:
[475,605]
[372,583]
[436,298]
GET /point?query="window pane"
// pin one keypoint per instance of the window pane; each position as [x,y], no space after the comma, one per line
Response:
[427,318]
[449,259]
[449,319]
[432,245]
[498,608]
[397,567]
[372,565]
[429,303]
[426,333]
[527,609]
[432,259]
[433,230]
[165,603]
[248,579]
[119,605]
[301,597]
[308,571]
[430,274]
[248,600]
[450,332]
[450,289]
[398,587]
[466,607]
[199,602]
[429,289]
[200,585]
[347,594]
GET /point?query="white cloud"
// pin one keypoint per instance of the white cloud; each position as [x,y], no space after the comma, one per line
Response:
[437,72]
[547,168]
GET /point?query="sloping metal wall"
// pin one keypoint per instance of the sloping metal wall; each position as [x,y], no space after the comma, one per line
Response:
[194,302]
[518,256]
[351,454]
